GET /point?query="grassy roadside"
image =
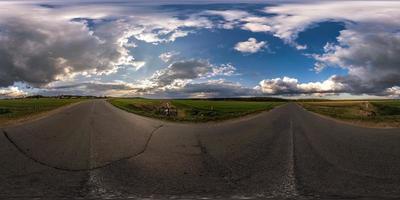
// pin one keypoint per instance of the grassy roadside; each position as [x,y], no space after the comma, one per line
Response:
[16,109]
[378,113]
[192,110]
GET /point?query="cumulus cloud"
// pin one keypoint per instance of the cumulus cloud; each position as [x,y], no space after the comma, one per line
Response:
[371,59]
[178,74]
[89,88]
[181,79]
[250,46]
[256,27]
[368,48]
[291,19]
[209,89]
[168,56]
[182,70]
[393,91]
[174,82]
[56,43]
[242,19]
[39,52]
[291,86]
[223,70]
[157,28]
[12,92]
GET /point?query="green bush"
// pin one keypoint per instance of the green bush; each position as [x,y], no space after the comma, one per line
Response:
[4,111]
[387,109]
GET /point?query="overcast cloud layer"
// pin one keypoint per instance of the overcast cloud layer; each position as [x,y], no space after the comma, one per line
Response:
[89,49]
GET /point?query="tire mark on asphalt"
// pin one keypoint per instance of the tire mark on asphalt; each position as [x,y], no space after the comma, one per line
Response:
[22,151]
[337,165]
[308,191]
[307,128]
[213,165]
[92,160]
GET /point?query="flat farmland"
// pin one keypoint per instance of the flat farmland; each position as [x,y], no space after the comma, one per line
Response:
[192,110]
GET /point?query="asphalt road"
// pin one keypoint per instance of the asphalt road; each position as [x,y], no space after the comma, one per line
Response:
[94,150]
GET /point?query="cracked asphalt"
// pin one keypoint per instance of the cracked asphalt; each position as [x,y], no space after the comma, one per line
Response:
[95,151]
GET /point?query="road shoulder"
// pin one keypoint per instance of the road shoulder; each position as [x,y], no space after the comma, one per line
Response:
[36,116]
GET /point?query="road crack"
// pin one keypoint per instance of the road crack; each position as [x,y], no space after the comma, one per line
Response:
[148,141]
[20,150]
[24,153]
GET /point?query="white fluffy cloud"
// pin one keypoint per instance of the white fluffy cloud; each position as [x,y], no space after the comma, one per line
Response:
[368,48]
[11,92]
[393,91]
[291,86]
[250,46]
[241,19]
[168,56]
[291,19]
[157,28]
[256,27]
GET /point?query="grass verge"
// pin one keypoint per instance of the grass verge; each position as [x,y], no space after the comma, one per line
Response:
[17,109]
[191,110]
[379,113]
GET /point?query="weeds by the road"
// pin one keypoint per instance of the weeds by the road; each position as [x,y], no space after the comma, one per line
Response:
[192,110]
[375,113]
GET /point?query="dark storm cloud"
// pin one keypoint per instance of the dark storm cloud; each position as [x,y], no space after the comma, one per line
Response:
[89,88]
[181,70]
[188,70]
[56,43]
[372,59]
[209,89]
[37,52]
[96,86]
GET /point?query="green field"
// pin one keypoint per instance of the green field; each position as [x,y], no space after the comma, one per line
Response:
[192,110]
[378,112]
[14,109]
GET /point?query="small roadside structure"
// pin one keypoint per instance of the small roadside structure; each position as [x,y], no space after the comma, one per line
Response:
[367,109]
[167,109]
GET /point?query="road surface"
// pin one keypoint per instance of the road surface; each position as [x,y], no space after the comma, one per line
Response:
[94,150]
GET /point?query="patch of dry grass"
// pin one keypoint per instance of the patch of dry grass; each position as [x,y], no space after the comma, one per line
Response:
[384,113]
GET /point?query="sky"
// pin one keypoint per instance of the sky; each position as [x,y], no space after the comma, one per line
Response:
[200,49]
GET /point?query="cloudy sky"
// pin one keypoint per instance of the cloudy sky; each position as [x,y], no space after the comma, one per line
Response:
[164,49]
